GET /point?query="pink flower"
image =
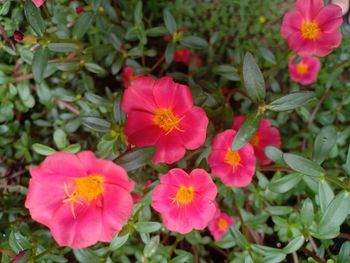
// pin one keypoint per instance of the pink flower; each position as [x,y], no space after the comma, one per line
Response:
[264,136]
[80,198]
[38,3]
[128,75]
[234,168]
[311,28]
[161,113]
[18,36]
[185,201]
[187,57]
[220,224]
[305,71]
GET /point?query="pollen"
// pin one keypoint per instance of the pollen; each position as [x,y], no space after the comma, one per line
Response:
[232,157]
[302,68]
[184,195]
[310,30]
[165,119]
[222,224]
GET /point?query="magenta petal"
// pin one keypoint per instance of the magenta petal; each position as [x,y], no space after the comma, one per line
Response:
[327,42]
[309,8]
[38,3]
[329,18]
[169,148]
[162,197]
[291,23]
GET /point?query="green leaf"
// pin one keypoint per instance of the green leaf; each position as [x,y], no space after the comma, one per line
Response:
[285,183]
[336,212]
[169,52]
[325,194]
[86,255]
[247,130]
[94,68]
[307,212]
[138,12]
[118,114]
[240,239]
[274,154]
[135,158]
[344,253]
[60,139]
[294,245]
[228,72]
[83,24]
[291,101]
[96,124]
[169,22]
[324,143]
[151,247]
[253,79]
[62,47]
[156,31]
[147,227]
[73,148]
[303,165]
[276,258]
[18,242]
[182,257]
[33,15]
[347,163]
[118,241]
[279,210]
[40,61]
[267,55]
[42,149]
[194,42]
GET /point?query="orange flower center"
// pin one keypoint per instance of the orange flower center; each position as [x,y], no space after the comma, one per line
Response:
[310,30]
[184,195]
[165,119]
[255,140]
[232,157]
[302,68]
[87,189]
[222,224]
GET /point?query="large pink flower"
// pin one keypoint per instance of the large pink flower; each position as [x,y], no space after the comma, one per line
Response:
[186,201]
[80,198]
[305,71]
[220,224]
[312,28]
[234,168]
[264,136]
[38,3]
[161,113]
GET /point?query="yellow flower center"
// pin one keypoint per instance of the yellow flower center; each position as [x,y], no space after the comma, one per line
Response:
[232,157]
[302,68]
[184,195]
[86,189]
[222,224]
[89,188]
[255,140]
[165,119]
[310,30]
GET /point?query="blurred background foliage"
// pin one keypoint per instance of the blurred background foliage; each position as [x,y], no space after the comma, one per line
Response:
[60,89]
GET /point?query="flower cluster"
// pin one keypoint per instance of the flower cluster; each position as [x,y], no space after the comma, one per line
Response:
[311,29]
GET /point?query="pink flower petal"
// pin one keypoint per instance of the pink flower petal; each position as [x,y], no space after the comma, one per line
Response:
[309,8]
[329,18]
[291,23]
[38,3]
[169,148]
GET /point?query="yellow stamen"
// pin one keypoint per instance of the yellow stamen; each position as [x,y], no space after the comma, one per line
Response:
[222,224]
[302,68]
[184,195]
[86,189]
[232,157]
[165,119]
[310,30]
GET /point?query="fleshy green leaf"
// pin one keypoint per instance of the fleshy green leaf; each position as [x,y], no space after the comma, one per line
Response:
[96,124]
[303,165]
[291,101]
[40,61]
[83,24]
[294,245]
[118,241]
[135,158]
[42,149]
[253,79]
[285,183]
[194,42]
[62,47]
[169,22]
[324,143]
[247,130]
[33,15]
[274,154]
[147,227]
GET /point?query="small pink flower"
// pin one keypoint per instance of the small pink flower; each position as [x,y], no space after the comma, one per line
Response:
[312,28]
[79,10]
[187,57]
[264,136]
[305,71]
[128,75]
[234,168]
[38,3]
[220,224]
[185,201]
[18,36]
[80,198]
[161,113]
